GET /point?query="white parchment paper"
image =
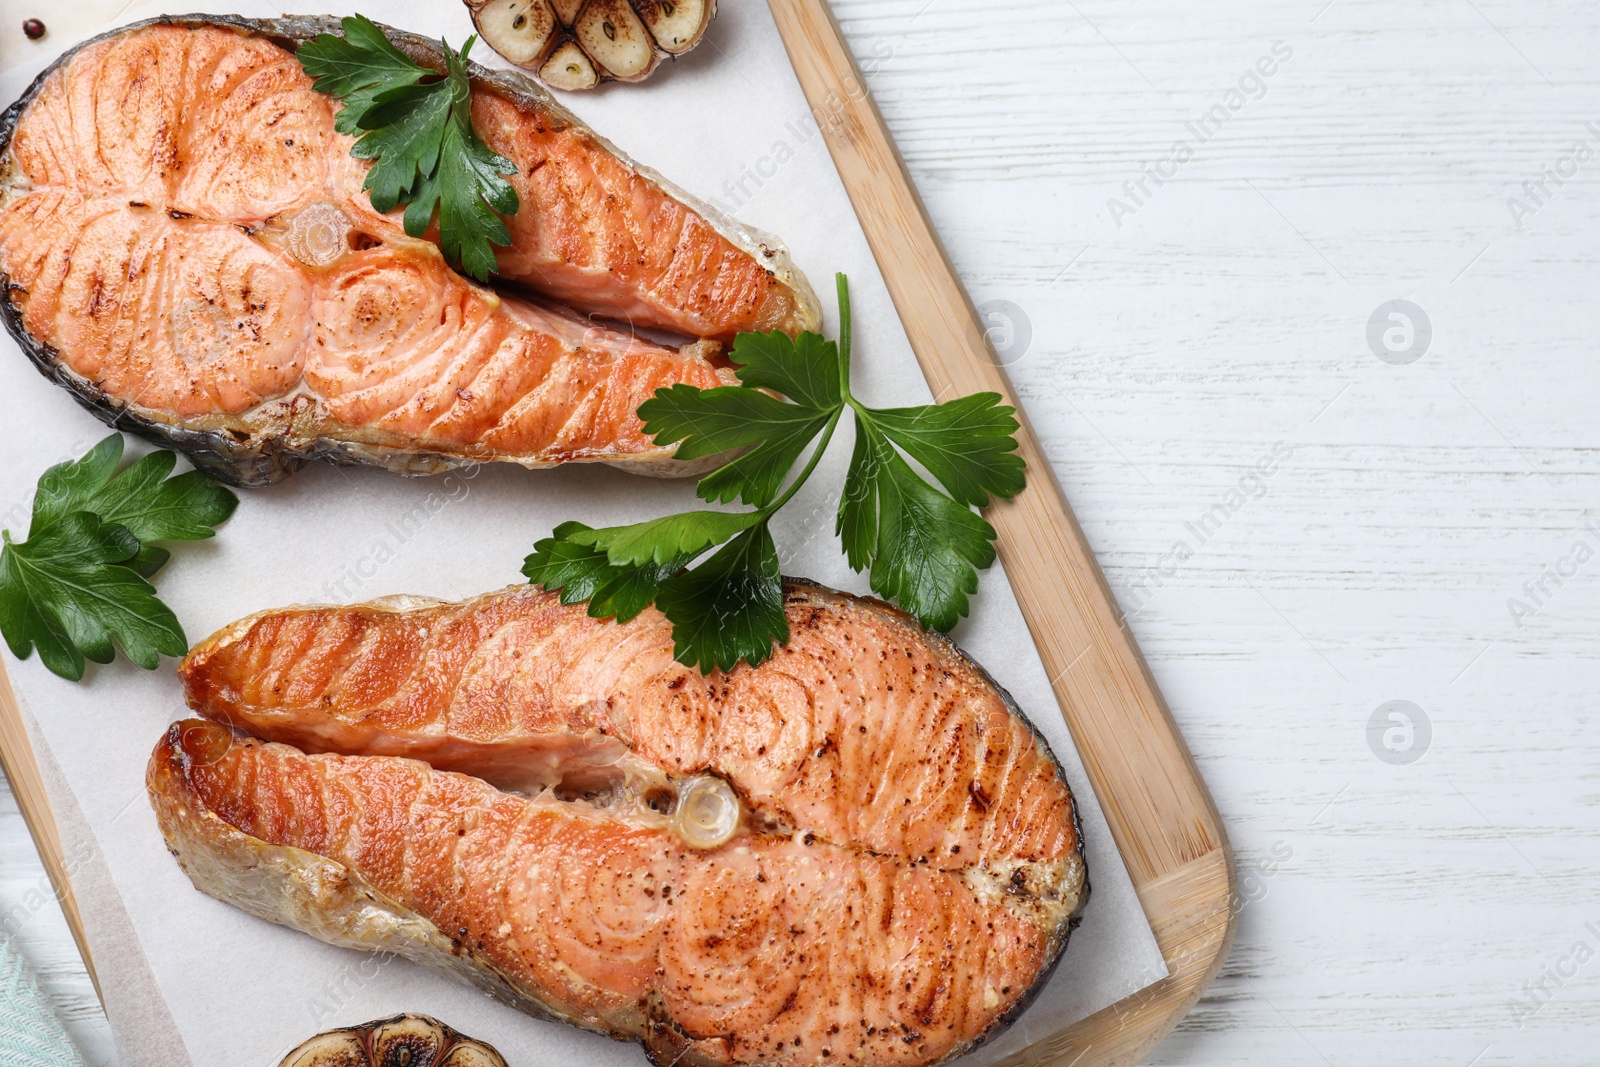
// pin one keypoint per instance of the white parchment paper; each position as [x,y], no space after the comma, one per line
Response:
[728,123]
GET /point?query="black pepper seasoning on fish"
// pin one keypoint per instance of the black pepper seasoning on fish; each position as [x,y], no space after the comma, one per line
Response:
[804,892]
[233,370]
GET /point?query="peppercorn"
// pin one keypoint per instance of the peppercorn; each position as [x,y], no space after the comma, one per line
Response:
[33,28]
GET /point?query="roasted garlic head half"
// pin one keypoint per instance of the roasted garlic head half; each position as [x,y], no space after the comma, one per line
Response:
[403,1041]
[577,44]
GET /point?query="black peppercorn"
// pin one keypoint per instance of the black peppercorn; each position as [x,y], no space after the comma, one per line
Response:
[33,28]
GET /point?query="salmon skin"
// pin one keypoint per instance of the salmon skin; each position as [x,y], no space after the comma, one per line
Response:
[859,851]
[185,245]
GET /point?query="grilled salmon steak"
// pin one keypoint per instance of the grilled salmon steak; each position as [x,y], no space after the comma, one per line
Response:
[185,244]
[858,851]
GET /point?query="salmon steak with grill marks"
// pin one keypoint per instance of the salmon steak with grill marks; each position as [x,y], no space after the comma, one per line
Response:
[185,244]
[859,851]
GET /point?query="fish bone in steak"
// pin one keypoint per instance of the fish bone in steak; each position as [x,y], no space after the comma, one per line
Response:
[186,246]
[858,851]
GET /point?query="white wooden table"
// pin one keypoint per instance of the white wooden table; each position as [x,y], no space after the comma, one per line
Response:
[1304,523]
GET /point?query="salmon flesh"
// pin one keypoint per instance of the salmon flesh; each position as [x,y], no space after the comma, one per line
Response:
[185,244]
[859,851]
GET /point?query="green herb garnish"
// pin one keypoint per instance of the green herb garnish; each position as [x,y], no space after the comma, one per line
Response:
[78,583]
[417,126]
[922,546]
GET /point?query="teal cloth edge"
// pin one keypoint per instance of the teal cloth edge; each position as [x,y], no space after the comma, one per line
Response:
[30,1033]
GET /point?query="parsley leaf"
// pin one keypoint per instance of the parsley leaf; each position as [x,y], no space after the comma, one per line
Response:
[62,591]
[469,175]
[730,608]
[416,125]
[405,131]
[152,506]
[806,369]
[660,541]
[150,559]
[857,523]
[357,68]
[921,545]
[727,609]
[709,421]
[927,547]
[68,487]
[966,443]
[583,572]
[76,589]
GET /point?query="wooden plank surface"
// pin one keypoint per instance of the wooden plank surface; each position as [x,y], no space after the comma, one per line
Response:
[1392,913]
[1158,809]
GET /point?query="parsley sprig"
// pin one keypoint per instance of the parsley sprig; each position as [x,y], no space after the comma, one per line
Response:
[77,588]
[922,545]
[417,126]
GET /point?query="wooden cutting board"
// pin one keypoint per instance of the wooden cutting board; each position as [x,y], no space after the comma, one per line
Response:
[1160,814]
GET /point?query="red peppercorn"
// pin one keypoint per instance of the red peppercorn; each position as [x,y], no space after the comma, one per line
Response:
[33,28]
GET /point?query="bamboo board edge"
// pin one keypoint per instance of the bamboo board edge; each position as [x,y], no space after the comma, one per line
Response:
[27,785]
[1165,824]
[1167,828]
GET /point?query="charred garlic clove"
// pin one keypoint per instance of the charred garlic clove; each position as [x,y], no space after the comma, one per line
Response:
[569,68]
[473,1054]
[519,29]
[407,1041]
[341,1048]
[616,40]
[577,44]
[403,1041]
[677,25]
